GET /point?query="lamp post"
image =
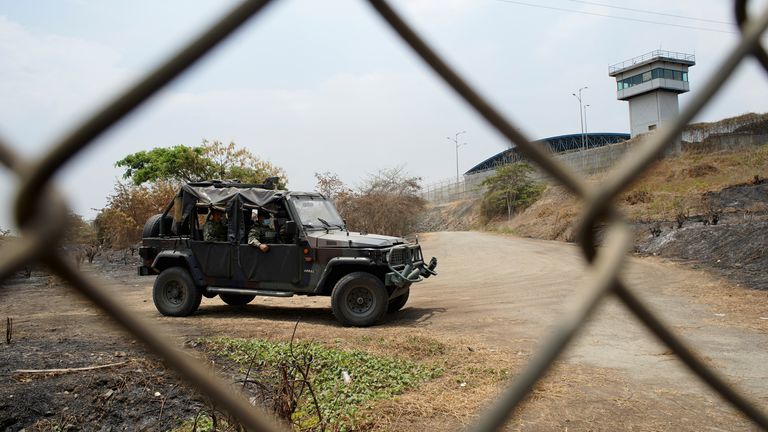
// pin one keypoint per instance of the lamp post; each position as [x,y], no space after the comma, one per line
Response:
[455,140]
[581,113]
[586,128]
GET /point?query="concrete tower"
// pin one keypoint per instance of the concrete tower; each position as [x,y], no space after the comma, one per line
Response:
[651,83]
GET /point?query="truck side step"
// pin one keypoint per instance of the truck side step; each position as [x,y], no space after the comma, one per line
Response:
[219,290]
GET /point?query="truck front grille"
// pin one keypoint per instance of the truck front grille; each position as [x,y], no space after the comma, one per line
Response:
[405,255]
[397,257]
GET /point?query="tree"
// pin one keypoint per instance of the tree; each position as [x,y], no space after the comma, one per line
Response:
[180,163]
[387,202]
[394,181]
[120,224]
[211,160]
[330,185]
[79,231]
[510,189]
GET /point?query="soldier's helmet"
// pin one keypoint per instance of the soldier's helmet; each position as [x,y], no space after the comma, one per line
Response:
[215,212]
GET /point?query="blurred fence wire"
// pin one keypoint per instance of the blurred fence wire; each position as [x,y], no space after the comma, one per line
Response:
[40,211]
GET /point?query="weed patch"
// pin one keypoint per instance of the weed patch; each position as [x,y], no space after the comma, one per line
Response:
[343,382]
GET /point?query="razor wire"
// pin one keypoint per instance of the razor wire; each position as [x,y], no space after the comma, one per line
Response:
[41,222]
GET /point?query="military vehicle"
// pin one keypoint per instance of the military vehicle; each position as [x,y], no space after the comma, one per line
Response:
[312,253]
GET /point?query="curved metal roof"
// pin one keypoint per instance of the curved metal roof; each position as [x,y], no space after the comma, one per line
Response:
[557,144]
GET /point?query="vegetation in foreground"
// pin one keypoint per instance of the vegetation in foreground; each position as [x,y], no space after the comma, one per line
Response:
[315,387]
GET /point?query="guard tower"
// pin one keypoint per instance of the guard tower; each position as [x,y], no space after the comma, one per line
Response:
[651,83]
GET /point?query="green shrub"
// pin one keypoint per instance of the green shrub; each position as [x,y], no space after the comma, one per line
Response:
[372,377]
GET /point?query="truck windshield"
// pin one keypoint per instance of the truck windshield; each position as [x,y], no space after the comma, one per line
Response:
[316,212]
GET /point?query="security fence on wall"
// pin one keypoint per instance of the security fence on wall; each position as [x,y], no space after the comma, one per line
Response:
[584,162]
[40,214]
[451,190]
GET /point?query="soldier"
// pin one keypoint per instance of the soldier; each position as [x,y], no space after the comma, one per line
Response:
[215,228]
[261,233]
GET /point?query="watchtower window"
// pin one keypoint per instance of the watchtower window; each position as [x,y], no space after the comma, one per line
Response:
[651,75]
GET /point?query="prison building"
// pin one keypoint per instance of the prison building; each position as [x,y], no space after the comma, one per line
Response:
[557,144]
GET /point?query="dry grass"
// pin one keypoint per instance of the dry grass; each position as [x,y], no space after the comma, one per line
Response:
[571,396]
[677,184]
[730,304]
[669,188]
[471,380]
[551,217]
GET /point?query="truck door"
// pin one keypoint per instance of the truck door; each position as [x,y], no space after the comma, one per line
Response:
[283,261]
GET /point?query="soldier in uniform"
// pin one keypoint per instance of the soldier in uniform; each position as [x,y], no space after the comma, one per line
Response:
[215,228]
[261,233]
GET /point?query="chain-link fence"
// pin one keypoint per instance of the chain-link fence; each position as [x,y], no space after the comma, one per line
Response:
[40,213]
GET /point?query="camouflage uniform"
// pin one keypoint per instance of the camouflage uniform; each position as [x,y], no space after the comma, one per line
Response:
[215,231]
[259,234]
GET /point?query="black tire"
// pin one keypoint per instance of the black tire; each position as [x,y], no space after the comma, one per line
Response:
[152,226]
[359,299]
[398,302]
[236,299]
[175,294]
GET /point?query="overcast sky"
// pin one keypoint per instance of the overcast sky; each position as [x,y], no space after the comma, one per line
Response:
[326,86]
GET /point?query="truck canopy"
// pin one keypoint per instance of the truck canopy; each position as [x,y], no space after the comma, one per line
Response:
[229,196]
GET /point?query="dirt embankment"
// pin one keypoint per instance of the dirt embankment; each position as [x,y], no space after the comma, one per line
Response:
[453,216]
[711,209]
[735,247]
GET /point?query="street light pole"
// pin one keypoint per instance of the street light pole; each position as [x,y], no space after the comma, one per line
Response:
[586,128]
[581,113]
[455,140]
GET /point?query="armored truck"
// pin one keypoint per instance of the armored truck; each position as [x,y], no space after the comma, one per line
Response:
[309,251]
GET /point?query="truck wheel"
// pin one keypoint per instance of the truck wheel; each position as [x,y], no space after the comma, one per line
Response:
[175,294]
[236,299]
[398,302]
[359,299]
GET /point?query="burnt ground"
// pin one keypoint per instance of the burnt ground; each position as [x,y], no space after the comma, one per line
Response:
[138,393]
[56,329]
[735,248]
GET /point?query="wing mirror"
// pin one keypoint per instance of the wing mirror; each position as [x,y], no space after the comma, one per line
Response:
[290,228]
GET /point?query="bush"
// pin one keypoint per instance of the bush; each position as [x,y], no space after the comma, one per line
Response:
[386,202]
[333,401]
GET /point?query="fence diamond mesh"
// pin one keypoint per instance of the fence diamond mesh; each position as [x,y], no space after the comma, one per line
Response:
[41,221]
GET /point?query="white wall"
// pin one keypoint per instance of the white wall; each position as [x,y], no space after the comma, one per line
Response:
[651,111]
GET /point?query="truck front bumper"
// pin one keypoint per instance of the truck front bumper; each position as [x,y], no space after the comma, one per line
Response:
[409,273]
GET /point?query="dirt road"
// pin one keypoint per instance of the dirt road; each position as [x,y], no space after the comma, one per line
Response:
[498,296]
[502,290]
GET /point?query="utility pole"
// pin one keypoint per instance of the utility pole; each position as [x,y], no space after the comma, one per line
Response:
[581,113]
[455,141]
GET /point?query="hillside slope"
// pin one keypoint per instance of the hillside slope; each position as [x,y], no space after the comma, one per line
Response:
[710,208]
